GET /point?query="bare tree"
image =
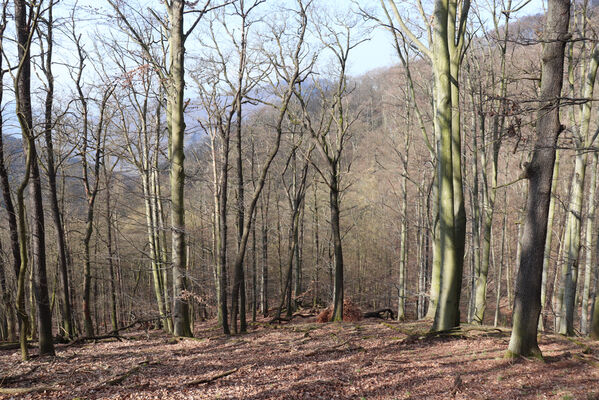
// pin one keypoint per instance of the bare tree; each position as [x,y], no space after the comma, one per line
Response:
[539,171]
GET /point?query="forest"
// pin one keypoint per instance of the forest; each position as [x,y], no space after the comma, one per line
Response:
[220,199]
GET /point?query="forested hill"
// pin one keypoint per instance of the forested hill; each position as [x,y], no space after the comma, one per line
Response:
[181,169]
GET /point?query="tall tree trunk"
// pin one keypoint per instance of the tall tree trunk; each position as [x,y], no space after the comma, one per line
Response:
[573,225]
[222,230]
[338,251]
[403,244]
[501,262]
[176,108]
[238,295]
[315,228]
[447,312]
[527,302]
[588,245]
[25,25]
[254,273]
[148,190]
[455,41]
[5,183]
[548,241]
[161,238]
[51,172]
[264,284]
[87,276]
[112,287]
[475,257]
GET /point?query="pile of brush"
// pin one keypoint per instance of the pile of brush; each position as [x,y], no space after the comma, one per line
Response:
[351,313]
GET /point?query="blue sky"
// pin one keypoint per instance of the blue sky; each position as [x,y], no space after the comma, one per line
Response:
[379,52]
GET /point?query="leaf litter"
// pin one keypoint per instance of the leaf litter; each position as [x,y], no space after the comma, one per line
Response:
[306,360]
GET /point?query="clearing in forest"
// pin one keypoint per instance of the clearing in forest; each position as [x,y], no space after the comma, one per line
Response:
[363,360]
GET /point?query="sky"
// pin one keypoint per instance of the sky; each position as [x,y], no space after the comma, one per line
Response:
[375,53]
[379,52]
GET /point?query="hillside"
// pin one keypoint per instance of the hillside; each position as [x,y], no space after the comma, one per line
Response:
[362,360]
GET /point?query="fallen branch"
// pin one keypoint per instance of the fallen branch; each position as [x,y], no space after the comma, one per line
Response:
[84,339]
[379,313]
[13,345]
[114,334]
[212,378]
[390,360]
[33,389]
[120,378]
[325,351]
[284,319]
[459,332]
[15,378]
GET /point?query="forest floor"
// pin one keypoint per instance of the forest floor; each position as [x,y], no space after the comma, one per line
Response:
[370,359]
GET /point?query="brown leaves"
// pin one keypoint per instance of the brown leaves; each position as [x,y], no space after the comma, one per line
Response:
[351,313]
[307,361]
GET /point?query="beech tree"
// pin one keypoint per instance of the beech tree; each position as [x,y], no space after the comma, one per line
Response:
[173,77]
[539,172]
[330,130]
[7,300]
[26,19]
[46,38]
[446,55]
[573,230]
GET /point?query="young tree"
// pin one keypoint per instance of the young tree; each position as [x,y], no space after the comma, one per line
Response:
[331,131]
[290,70]
[91,149]
[46,66]
[295,191]
[6,190]
[173,77]
[583,141]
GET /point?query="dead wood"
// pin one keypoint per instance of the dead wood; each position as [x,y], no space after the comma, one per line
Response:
[114,334]
[14,345]
[33,389]
[15,378]
[84,339]
[459,332]
[117,380]
[325,351]
[351,313]
[383,313]
[284,319]
[212,378]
